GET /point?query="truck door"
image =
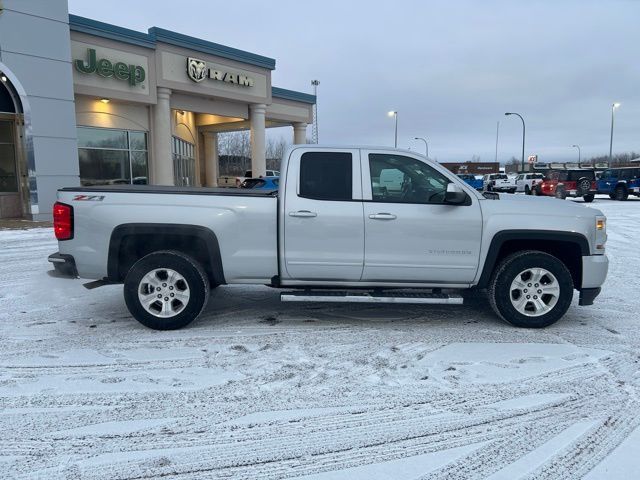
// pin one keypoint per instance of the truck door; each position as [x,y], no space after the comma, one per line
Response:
[322,219]
[607,182]
[412,235]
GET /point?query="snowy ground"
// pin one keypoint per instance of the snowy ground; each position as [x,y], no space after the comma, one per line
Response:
[260,389]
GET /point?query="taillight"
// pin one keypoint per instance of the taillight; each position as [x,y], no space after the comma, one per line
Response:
[63,221]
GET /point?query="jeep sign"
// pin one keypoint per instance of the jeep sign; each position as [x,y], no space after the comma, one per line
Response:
[134,74]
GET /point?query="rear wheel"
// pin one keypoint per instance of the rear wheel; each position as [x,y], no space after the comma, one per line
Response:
[588,197]
[621,193]
[531,289]
[166,290]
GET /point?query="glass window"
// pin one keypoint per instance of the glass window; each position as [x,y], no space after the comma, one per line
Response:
[184,162]
[326,176]
[399,179]
[108,156]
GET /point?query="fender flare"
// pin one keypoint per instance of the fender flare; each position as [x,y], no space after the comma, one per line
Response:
[500,238]
[214,267]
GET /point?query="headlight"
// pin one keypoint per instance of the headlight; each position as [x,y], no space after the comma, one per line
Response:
[601,233]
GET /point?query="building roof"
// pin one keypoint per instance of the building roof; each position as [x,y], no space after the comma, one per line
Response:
[156,35]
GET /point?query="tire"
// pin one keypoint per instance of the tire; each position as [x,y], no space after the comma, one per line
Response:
[612,196]
[583,186]
[190,282]
[527,190]
[621,193]
[513,190]
[538,313]
[588,198]
[561,193]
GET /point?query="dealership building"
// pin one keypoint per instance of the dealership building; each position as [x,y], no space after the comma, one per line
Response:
[86,102]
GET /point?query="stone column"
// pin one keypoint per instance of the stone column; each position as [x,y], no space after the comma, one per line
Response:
[161,155]
[258,154]
[299,133]
[211,158]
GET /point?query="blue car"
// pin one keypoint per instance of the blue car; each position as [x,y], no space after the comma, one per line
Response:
[264,183]
[471,180]
[619,183]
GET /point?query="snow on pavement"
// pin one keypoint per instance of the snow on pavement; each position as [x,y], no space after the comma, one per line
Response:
[260,389]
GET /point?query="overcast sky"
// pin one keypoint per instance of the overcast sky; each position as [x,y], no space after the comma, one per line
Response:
[450,68]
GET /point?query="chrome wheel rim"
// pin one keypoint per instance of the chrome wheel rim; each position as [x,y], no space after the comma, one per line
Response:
[534,292]
[163,293]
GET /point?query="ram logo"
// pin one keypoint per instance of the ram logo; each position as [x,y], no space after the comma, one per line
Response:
[196,69]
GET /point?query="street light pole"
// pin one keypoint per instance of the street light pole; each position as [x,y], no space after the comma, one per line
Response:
[523,134]
[426,144]
[613,109]
[314,131]
[394,113]
[579,154]
[497,133]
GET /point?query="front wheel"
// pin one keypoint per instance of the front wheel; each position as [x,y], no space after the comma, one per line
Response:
[527,190]
[166,290]
[531,289]
[588,198]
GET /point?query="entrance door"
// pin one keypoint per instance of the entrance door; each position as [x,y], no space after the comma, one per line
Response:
[412,235]
[8,166]
[323,223]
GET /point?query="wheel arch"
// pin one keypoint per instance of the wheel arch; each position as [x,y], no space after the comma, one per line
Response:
[132,241]
[568,247]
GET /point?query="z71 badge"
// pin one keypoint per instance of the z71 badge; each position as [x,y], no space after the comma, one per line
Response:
[89,198]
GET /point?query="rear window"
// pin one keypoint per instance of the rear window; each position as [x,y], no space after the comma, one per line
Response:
[499,177]
[326,176]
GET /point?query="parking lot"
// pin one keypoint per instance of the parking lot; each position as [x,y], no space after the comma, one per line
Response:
[259,389]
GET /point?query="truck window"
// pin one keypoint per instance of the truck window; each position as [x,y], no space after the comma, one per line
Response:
[326,176]
[399,179]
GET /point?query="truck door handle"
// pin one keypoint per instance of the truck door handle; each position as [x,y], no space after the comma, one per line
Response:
[382,216]
[303,213]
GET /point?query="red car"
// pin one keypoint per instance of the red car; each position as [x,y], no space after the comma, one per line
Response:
[568,183]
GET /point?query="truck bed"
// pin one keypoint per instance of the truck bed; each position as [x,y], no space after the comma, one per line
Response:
[244,222]
[171,190]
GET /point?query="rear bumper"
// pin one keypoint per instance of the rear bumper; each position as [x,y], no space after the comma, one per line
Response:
[64,264]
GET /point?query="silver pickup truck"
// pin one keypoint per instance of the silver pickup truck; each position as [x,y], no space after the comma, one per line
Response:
[334,233]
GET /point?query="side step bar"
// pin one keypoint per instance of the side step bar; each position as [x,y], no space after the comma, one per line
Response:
[369,297]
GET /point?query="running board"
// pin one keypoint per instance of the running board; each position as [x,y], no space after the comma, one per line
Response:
[367,297]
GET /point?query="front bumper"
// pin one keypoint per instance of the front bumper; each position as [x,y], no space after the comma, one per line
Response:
[594,271]
[64,264]
[588,295]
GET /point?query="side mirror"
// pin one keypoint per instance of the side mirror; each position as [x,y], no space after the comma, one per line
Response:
[455,195]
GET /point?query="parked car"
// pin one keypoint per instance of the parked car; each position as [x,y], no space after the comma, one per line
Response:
[568,183]
[526,181]
[328,236]
[498,182]
[619,183]
[266,183]
[471,180]
[231,181]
